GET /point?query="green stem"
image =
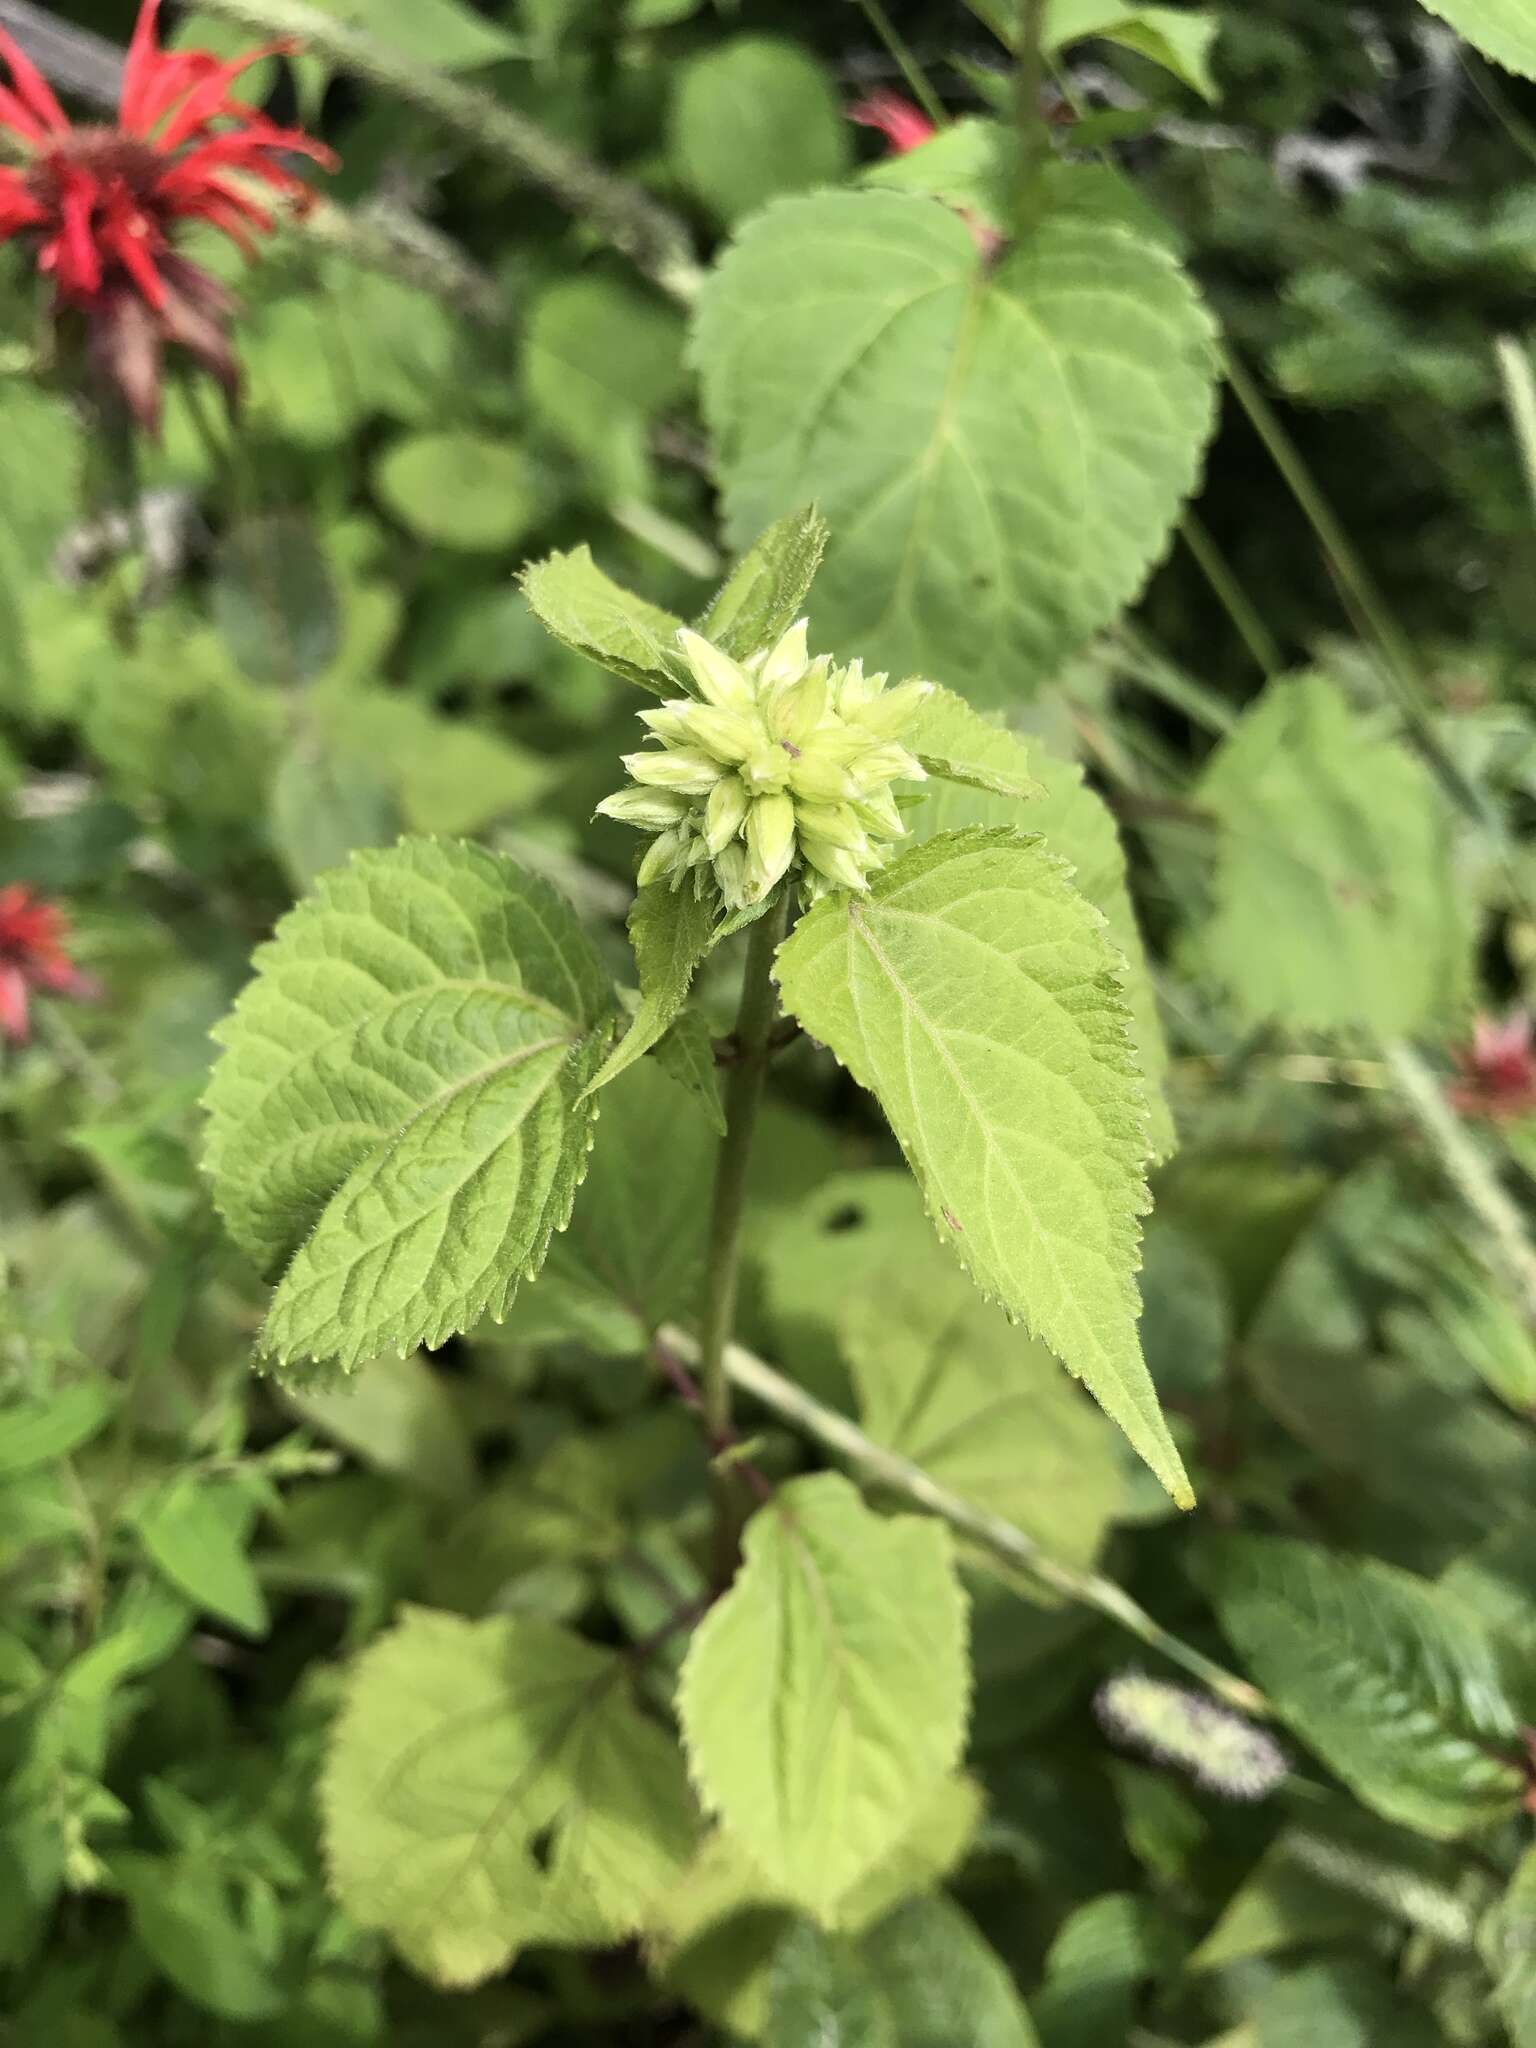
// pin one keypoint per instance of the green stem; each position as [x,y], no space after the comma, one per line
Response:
[1232,597]
[1034,135]
[905,62]
[1520,401]
[627,217]
[1006,1542]
[743,1095]
[1507,1249]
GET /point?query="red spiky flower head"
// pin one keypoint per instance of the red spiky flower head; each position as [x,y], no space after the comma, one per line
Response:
[104,205]
[34,954]
[1497,1070]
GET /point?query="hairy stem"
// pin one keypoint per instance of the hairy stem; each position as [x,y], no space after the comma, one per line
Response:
[627,217]
[1034,135]
[1507,1248]
[743,1094]
[1006,1542]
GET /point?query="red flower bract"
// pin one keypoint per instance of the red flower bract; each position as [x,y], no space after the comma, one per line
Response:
[903,125]
[33,955]
[1498,1070]
[105,203]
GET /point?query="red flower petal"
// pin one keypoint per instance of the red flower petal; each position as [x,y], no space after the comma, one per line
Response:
[13,1005]
[41,114]
[902,124]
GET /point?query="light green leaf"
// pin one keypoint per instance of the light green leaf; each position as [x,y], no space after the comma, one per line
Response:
[600,360]
[448,775]
[1079,828]
[825,1696]
[326,802]
[1504,30]
[687,1053]
[755,116]
[1041,420]
[821,1995]
[975,993]
[1177,38]
[402,1075]
[1507,1940]
[275,601]
[944,1983]
[587,611]
[491,1784]
[180,1912]
[947,1381]
[1336,900]
[446,34]
[766,591]
[1347,2004]
[637,1234]
[960,745]
[195,1530]
[398,1417]
[34,1433]
[671,931]
[458,490]
[1393,1684]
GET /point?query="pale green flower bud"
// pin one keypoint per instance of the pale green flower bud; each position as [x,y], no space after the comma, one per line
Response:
[835,862]
[770,843]
[655,809]
[728,736]
[725,813]
[887,716]
[838,824]
[682,768]
[662,856]
[819,780]
[882,766]
[787,660]
[782,766]
[719,679]
[799,708]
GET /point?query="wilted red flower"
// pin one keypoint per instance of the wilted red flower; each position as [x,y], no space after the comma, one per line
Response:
[105,203]
[33,955]
[1498,1070]
[903,125]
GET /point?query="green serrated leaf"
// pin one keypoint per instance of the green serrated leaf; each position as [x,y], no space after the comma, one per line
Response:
[825,1695]
[821,1995]
[766,591]
[1042,419]
[944,1983]
[1079,828]
[196,1530]
[1179,39]
[1507,1942]
[1504,30]
[1393,1684]
[754,116]
[405,1073]
[943,1378]
[1336,899]
[637,1235]
[180,1912]
[671,932]
[687,1053]
[491,1784]
[591,614]
[34,1433]
[976,994]
[960,745]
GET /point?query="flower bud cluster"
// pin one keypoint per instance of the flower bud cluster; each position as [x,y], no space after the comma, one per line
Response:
[780,765]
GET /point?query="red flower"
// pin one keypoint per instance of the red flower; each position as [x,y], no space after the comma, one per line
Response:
[33,955]
[105,203]
[903,125]
[1498,1070]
